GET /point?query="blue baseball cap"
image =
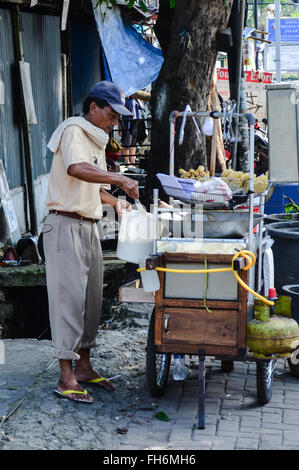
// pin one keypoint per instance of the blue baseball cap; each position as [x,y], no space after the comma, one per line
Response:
[113,94]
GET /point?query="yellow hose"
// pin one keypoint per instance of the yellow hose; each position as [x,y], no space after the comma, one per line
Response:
[248,255]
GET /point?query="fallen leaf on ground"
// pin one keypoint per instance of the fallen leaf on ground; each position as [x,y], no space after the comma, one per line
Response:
[161,416]
[122,430]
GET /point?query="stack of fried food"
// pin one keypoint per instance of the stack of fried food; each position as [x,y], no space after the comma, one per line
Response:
[239,180]
[200,174]
[234,179]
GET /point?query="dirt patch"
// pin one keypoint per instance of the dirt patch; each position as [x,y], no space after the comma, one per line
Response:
[44,421]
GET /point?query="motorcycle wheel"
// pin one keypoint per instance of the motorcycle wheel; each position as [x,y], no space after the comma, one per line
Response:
[261,161]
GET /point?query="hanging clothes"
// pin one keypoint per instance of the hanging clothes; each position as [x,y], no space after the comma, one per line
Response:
[133,62]
[133,129]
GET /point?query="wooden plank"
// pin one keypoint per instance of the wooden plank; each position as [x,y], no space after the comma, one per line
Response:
[135,293]
[64,15]
[192,349]
[27,92]
[159,309]
[213,148]
[242,331]
[159,315]
[196,258]
[196,326]
[194,303]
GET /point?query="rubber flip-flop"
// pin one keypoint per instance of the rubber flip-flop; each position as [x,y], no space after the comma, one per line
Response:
[67,392]
[97,381]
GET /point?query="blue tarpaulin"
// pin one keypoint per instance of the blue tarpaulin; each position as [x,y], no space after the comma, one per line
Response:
[133,62]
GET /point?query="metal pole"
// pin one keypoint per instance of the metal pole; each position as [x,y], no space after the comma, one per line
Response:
[256,27]
[155,234]
[171,144]
[260,252]
[277,41]
[238,80]
[201,389]
[19,52]
[251,182]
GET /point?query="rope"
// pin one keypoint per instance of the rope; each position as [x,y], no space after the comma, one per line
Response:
[205,288]
[248,255]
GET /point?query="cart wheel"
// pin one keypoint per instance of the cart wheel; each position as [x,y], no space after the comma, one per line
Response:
[264,379]
[157,364]
[294,368]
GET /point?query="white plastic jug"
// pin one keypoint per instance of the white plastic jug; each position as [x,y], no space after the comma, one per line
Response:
[135,238]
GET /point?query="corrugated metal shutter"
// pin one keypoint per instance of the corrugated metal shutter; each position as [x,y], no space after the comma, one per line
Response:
[41,43]
[10,111]
[86,69]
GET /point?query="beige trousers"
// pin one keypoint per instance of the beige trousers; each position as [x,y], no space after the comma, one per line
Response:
[74,271]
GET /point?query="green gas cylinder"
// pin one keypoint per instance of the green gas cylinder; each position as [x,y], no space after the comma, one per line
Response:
[278,335]
[272,334]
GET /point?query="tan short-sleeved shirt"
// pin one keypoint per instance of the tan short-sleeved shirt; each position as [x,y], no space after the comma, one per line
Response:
[70,194]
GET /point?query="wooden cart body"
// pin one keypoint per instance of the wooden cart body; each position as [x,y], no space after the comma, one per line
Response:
[186,325]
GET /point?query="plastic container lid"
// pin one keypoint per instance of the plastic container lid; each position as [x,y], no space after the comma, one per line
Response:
[272,293]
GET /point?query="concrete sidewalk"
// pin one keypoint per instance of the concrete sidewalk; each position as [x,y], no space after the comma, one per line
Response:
[234,419]
[125,419]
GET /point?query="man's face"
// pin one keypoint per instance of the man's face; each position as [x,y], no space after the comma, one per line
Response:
[105,118]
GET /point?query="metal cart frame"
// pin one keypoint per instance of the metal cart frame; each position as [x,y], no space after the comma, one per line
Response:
[235,312]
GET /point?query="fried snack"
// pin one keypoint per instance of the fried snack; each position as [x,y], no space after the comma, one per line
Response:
[198,174]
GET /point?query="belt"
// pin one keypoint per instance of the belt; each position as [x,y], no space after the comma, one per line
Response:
[73,215]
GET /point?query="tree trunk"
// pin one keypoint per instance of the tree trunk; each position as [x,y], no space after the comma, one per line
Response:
[187,35]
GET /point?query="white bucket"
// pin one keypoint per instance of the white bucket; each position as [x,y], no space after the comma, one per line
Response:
[135,238]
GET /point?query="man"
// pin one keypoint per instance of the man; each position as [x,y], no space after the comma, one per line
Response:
[73,256]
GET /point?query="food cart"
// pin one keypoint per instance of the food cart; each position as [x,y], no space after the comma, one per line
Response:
[208,259]
[207,289]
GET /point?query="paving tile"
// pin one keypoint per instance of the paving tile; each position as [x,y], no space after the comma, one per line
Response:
[177,434]
[293,435]
[244,443]
[226,444]
[228,425]
[271,440]
[209,429]
[290,417]
[249,429]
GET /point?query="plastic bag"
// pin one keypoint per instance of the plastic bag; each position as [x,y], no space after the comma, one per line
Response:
[214,186]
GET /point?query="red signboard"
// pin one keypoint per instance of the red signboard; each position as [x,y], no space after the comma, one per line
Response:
[250,76]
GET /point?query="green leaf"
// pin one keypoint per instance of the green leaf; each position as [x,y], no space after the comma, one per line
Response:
[142,5]
[288,208]
[291,207]
[172,3]
[161,416]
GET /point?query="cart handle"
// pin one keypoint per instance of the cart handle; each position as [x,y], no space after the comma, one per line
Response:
[248,255]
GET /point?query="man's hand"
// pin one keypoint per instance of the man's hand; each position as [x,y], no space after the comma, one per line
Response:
[120,205]
[130,187]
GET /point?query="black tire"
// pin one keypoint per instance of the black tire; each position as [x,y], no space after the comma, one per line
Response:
[261,161]
[294,368]
[264,380]
[157,364]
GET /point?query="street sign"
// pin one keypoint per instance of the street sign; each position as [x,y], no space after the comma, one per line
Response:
[289,58]
[289,29]
[255,90]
